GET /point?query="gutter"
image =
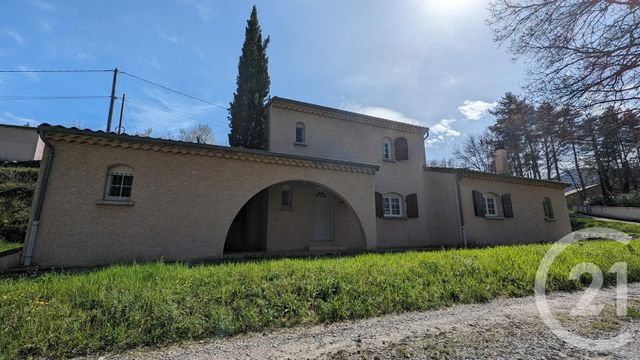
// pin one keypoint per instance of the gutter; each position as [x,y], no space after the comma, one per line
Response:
[463,229]
[35,221]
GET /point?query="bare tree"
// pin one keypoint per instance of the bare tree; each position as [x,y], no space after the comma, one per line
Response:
[585,53]
[146,132]
[444,162]
[200,134]
[476,152]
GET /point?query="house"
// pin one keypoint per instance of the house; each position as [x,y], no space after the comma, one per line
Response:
[20,143]
[330,180]
[578,196]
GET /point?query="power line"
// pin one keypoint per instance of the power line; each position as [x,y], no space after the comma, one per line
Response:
[51,97]
[164,109]
[172,90]
[56,71]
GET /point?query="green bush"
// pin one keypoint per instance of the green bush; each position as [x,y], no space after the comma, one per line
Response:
[631,199]
[17,184]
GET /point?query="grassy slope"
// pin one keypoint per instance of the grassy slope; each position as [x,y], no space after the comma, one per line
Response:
[5,245]
[57,315]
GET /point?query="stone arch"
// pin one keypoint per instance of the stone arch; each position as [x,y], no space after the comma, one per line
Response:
[258,196]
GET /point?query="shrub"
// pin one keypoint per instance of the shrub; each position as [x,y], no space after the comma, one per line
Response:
[17,184]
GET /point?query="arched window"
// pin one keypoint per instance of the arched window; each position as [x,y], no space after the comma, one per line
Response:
[387,149]
[300,136]
[490,204]
[392,205]
[119,183]
[548,208]
[287,198]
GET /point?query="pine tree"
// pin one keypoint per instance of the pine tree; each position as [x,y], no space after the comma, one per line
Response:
[247,110]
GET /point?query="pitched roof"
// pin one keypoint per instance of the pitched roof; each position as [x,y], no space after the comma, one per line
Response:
[135,142]
[497,177]
[344,115]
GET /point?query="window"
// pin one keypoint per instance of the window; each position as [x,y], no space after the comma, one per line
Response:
[548,209]
[392,205]
[386,149]
[300,133]
[287,198]
[119,183]
[490,205]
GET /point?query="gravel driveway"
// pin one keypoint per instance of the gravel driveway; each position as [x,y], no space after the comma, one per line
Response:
[502,329]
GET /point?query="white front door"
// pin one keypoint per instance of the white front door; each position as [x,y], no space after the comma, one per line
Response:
[322,216]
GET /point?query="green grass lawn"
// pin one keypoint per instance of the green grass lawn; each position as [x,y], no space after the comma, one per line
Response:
[120,307]
[578,223]
[5,245]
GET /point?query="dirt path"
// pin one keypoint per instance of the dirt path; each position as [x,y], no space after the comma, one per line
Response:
[503,329]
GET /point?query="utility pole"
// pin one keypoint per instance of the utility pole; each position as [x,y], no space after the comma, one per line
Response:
[121,111]
[113,98]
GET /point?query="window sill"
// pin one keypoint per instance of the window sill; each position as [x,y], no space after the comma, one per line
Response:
[115,202]
[389,160]
[550,219]
[394,218]
[299,144]
[286,209]
[494,217]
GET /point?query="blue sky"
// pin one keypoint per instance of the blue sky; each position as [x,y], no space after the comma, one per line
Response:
[431,62]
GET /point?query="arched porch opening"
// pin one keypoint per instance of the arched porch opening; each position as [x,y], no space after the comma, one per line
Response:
[295,216]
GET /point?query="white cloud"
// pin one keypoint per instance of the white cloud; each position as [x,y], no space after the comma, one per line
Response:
[31,76]
[382,112]
[42,5]
[14,35]
[13,119]
[442,130]
[476,109]
[165,114]
[203,9]
[152,61]
[171,38]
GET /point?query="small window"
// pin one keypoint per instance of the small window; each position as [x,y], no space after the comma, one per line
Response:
[548,208]
[287,198]
[119,183]
[386,149]
[490,205]
[300,138]
[392,205]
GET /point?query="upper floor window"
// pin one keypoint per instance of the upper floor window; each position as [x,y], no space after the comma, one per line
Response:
[287,198]
[387,149]
[401,149]
[119,183]
[300,136]
[490,205]
[548,208]
[392,205]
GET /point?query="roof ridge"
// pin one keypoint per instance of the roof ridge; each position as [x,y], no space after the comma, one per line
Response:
[345,114]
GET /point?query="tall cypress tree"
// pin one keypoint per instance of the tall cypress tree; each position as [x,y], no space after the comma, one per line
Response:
[247,110]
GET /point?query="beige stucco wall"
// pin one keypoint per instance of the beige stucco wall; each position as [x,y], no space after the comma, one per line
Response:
[342,139]
[184,204]
[292,229]
[19,143]
[528,224]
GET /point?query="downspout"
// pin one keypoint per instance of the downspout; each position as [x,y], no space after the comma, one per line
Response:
[463,229]
[35,222]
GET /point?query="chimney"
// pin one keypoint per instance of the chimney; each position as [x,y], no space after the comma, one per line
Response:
[500,159]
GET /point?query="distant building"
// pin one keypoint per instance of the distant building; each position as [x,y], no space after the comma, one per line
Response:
[20,143]
[577,197]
